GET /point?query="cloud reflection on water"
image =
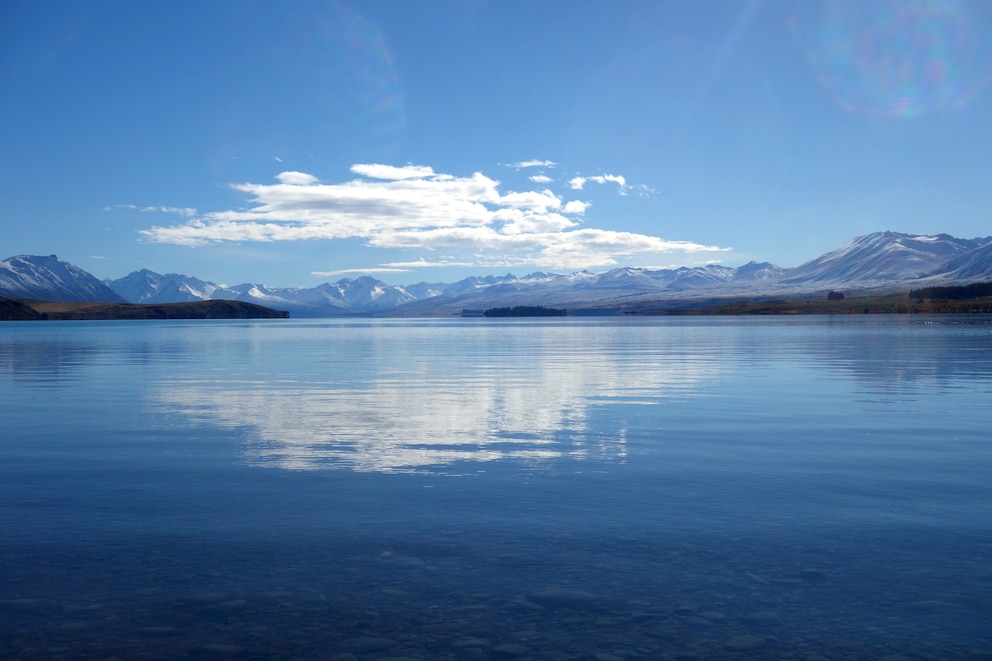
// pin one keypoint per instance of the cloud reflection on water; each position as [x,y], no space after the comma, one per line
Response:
[420,411]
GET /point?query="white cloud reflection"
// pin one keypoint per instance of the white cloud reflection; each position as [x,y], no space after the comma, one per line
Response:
[442,414]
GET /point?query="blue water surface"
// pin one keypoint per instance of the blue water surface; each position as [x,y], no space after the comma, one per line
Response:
[588,488]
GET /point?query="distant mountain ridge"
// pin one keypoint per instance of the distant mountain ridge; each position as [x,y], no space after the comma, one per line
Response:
[146,286]
[885,256]
[881,259]
[51,279]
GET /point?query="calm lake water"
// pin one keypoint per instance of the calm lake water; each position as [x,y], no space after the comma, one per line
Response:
[594,489]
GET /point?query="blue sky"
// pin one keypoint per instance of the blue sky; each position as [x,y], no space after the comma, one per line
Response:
[291,143]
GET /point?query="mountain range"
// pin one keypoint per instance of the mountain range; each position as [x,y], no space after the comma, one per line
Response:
[51,279]
[874,262]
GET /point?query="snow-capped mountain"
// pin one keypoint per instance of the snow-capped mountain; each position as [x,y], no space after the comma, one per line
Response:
[367,293]
[883,259]
[972,265]
[51,279]
[755,272]
[146,286]
[347,296]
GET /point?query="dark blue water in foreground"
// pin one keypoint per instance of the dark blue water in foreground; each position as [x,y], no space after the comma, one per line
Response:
[810,488]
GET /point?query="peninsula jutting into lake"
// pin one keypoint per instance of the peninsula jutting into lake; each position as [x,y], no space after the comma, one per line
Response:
[31,310]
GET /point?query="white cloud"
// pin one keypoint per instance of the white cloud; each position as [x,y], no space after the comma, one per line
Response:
[188,212]
[422,263]
[541,179]
[578,183]
[576,207]
[413,208]
[533,164]
[378,171]
[536,200]
[641,190]
[374,269]
[615,178]
[296,178]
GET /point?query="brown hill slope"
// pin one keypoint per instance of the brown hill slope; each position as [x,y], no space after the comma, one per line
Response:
[18,309]
[12,309]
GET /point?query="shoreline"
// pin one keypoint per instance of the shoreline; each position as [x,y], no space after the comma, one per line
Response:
[14,309]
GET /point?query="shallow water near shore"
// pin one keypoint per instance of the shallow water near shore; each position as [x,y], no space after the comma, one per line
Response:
[600,488]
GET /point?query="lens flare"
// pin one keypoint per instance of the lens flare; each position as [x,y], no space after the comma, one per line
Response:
[898,58]
[370,76]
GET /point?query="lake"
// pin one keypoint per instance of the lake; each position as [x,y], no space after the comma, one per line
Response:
[567,488]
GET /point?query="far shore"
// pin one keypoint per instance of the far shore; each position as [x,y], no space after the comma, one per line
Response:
[860,304]
[16,309]
[12,309]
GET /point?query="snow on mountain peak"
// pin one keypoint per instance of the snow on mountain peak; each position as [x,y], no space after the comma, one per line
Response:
[872,259]
[50,278]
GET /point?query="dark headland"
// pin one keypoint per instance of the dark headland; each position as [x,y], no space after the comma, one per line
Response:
[12,309]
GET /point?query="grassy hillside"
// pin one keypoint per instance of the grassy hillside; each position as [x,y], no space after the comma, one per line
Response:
[26,310]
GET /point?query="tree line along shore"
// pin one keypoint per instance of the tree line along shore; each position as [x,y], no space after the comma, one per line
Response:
[974,298]
[968,299]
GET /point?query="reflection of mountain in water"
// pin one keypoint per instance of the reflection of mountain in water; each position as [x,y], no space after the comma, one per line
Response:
[527,397]
[45,362]
[419,395]
[893,354]
[63,354]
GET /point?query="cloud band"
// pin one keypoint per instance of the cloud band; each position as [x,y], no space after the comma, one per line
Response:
[413,207]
